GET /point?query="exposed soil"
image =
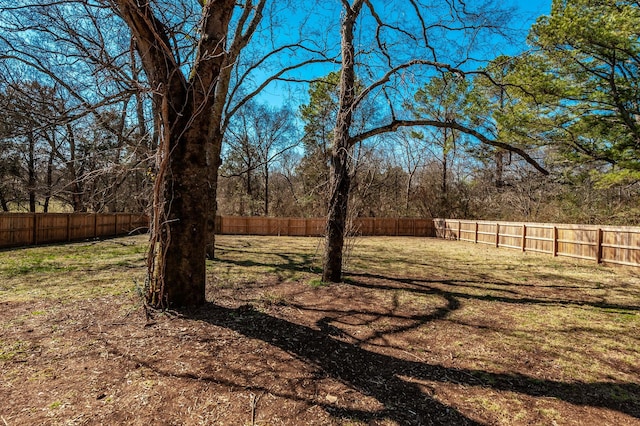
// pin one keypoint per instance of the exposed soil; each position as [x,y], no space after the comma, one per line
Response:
[281,352]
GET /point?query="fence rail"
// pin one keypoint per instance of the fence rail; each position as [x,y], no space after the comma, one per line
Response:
[609,244]
[24,229]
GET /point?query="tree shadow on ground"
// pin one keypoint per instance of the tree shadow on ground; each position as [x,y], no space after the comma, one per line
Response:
[370,373]
[429,286]
[291,261]
[426,286]
[390,380]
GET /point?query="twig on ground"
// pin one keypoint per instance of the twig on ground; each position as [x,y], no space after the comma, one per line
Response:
[254,402]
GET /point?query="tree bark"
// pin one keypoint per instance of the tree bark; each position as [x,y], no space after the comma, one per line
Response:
[215,162]
[337,217]
[340,164]
[177,261]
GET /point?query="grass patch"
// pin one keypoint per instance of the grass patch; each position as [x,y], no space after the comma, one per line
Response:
[14,351]
[72,271]
[318,283]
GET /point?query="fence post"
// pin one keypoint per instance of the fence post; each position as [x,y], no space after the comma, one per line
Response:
[68,227]
[35,229]
[95,225]
[599,245]
[555,241]
[524,236]
[475,240]
[497,234]
[115,224]
[459,229]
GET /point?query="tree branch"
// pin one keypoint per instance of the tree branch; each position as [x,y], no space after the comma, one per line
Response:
[395,124]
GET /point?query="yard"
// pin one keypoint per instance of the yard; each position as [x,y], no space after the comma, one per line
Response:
[421,331]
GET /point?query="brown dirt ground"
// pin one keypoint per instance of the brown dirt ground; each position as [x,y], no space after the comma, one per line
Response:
[280,353]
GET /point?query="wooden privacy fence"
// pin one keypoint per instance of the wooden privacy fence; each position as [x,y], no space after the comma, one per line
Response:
[619,245]
[23,229]
[234,225]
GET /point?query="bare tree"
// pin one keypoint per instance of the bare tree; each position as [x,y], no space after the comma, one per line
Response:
[399,53]
[409,152]
[188,113]
[257,136]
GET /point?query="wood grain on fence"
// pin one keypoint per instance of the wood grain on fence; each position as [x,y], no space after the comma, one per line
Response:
[24,229]
[314,227]
[609,244]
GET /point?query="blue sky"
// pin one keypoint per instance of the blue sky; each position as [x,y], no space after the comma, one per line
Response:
[528,11]
[525,14]
[532,9]
[537,7]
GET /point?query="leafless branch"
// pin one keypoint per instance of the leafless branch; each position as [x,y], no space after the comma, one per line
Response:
[396,124]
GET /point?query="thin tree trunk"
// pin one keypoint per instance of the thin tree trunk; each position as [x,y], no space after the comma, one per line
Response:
[266,190]
[339,174]
[408,192]
[444,175]
[47,197]
[77,192]
[3,202]
[31,170]
[499,168]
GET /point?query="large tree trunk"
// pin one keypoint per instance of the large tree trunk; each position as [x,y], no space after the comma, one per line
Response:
[188,113]
[340,165]
[177,270]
